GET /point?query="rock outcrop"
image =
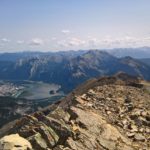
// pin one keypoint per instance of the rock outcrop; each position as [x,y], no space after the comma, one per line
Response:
[110,113]
[14,142]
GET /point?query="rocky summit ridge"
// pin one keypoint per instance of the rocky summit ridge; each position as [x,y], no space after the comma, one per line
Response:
[109,113]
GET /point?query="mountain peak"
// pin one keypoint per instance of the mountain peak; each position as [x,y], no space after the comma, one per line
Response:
[105,113]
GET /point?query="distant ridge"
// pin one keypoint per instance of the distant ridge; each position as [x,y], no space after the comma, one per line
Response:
[69,69]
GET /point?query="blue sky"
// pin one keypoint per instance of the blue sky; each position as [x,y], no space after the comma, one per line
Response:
[49,25]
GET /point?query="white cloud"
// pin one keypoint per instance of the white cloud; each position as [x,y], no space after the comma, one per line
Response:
[36,42]
[105,42]
[54,38]
[65,31]
[62,43]
[5,40]
[20,42]
[71,43]
[76,42]
[93,42]
[126,41]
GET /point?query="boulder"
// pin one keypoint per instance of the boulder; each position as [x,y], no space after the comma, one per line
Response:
[14,142]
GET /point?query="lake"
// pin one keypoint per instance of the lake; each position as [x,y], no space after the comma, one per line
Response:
[38,90]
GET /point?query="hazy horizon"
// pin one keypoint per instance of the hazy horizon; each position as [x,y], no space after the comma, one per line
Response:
[142,49]
[60,25]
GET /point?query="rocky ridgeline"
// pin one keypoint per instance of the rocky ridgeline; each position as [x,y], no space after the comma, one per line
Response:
[111,113]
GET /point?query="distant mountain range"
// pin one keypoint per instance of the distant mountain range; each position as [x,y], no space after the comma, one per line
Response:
[142,52]
[31,54]
[146,61]
[68,69]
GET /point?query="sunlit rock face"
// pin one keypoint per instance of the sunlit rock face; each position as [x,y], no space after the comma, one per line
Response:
[14,142]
